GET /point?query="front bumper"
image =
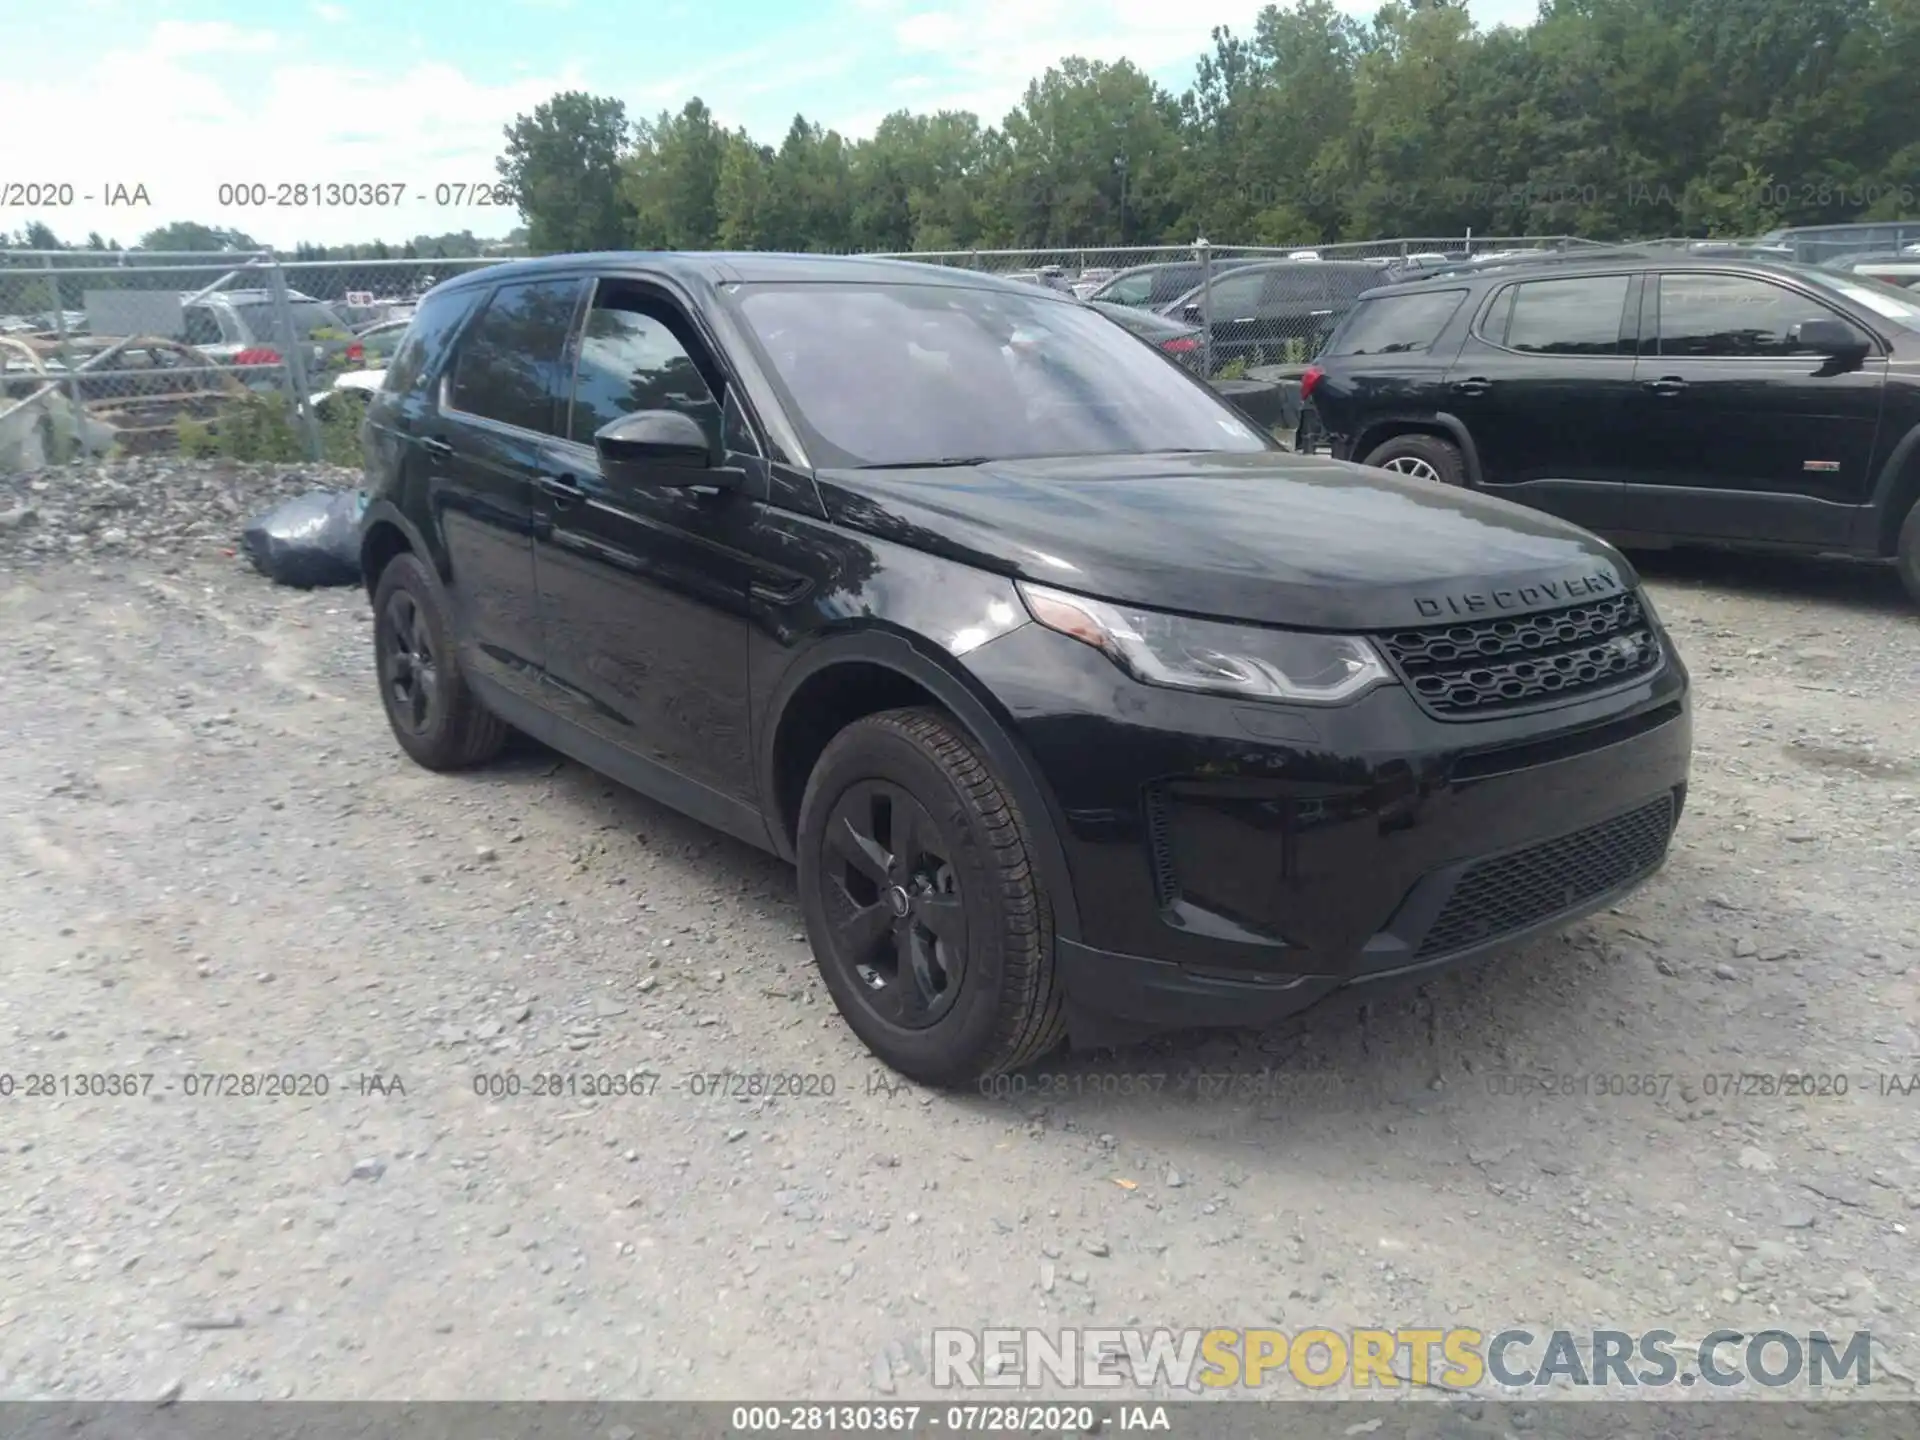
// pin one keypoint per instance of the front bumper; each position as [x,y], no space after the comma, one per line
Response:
[1233,863]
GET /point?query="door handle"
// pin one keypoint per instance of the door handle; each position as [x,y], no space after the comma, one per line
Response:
[1473,385]
[560,489]
[1667,385]
[436,447]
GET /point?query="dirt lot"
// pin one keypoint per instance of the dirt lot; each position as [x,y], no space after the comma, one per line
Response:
[217,862]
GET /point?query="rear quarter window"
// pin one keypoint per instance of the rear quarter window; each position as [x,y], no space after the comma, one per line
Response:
[420,349]
[1396,324]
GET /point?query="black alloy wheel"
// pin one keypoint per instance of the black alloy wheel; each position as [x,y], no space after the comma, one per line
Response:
[409,668]
[897,921]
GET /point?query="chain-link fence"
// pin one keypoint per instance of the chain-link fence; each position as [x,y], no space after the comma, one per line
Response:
[253,357]
[230,353]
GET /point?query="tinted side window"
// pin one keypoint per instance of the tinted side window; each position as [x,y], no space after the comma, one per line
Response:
[507,369]
[1234,297]
[1568,317]
[418,350]
[630,360]
[1293,287]
[1396,324]
[1129,290]
[1731,315]
[1493,325]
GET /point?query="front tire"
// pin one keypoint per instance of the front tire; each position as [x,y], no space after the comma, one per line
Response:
[925,914]
[1424,457]
[1907,554]
[434,714]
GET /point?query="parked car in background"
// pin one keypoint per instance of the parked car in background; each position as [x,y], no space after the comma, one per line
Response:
[1813,244]
[1082,709]
[1659,400]
[378,341]
[1090,280]
[239,328]
[1890,267]
[1272,311]
[1152,286]
[1176,337]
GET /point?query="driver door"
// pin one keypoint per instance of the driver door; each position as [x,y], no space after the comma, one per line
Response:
[644,587]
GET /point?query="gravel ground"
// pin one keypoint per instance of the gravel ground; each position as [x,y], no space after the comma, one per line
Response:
[216,861]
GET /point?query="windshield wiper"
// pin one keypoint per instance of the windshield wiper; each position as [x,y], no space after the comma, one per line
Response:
[945,462]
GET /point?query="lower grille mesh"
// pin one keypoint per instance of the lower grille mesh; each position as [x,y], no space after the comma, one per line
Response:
[1508,893]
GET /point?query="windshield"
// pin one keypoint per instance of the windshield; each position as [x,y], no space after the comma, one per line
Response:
[1889,302]
[904,375]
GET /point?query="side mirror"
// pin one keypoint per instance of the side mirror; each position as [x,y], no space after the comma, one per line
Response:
[670,447]
[1834,339]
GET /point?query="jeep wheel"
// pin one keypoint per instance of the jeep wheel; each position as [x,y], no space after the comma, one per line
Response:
[1907,556]
[1424,457]
[434,715]
[924,912]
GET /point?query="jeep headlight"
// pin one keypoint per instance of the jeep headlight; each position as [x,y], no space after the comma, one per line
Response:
[1215,656]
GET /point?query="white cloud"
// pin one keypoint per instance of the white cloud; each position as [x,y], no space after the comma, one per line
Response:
[332,14]
[205,118]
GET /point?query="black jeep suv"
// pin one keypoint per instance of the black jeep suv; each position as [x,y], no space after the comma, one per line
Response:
[1083,708]
[1658,400]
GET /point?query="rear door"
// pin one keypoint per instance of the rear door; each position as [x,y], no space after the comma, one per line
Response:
[1544,385]
[496,430]
[1742,433]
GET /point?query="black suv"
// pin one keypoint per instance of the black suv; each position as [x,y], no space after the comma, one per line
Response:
[1658,400]
[1275,311]
[1083,709]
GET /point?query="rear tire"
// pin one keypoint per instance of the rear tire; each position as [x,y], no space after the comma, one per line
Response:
[922,905]
[1424,457]
[435,716]
[1907,554]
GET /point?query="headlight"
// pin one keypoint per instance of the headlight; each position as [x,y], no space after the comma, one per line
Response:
[1186,654]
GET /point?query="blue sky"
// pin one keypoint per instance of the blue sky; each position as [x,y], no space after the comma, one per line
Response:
[182,95]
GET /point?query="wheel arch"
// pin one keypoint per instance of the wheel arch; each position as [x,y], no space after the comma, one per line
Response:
[868,671]
[1440,425]
[1896,492]
[386,532]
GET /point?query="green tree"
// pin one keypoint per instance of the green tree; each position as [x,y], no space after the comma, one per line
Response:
[562,166]
[671,180]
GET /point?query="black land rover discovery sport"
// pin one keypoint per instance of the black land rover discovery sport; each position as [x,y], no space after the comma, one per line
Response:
[1083,709]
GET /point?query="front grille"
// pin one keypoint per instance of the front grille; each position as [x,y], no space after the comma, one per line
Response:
[1480,667]
[1508,893]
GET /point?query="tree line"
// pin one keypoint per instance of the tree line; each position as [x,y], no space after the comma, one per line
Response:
[1612,119]
[189,235]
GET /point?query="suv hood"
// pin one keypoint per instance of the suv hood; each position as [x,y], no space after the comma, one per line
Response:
[1270,538]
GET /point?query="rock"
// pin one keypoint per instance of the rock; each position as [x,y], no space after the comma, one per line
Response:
[1796,1217]
[486,854]
[1098,1248]
[1046,1276]
[213,1322]
[171,1391]
[368,1169]
[736,1133]
[1724,971]
[883,1374]
[1174,1180]
[1743,947]
[1753,1158]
